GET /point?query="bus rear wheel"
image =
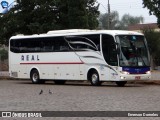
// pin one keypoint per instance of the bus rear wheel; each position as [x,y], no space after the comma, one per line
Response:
[35,77]
[94,78]
[121,83]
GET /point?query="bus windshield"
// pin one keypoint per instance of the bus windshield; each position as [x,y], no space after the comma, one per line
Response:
[133,51]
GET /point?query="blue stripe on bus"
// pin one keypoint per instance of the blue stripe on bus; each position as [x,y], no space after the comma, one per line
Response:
[136,70]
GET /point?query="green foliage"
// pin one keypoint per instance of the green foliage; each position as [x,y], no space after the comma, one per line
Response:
[154,8]
[103,21]
[129,20]
[153,39]
[81,14]
[40,16]
[3,54]
[119,24]
[114,20]
[78,14]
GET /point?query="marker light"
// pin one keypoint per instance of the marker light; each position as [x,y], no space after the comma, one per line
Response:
[125,72]
[148,72]
[122,78]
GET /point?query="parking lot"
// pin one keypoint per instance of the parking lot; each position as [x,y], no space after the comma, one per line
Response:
[22,95]
[78,96]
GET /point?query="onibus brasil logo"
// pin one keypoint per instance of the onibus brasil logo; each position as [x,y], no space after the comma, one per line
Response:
[21,114]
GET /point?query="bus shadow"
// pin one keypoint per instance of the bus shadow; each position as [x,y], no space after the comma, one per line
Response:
[77,83]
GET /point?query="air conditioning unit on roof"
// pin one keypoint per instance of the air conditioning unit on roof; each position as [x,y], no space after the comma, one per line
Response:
[67,31]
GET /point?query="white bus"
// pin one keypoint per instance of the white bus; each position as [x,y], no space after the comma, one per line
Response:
[93,55]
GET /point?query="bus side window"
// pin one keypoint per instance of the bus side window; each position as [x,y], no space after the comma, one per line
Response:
[48,48]
[98,46]
[64,48]
[14,46]
[37,49]
[60,45]
[96,40]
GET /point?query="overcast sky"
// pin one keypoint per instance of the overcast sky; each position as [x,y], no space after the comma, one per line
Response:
[132,7]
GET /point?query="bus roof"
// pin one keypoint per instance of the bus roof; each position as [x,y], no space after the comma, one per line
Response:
[78,32]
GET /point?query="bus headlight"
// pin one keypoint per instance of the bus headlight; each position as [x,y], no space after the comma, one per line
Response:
[148,72]
[122,78]
[125,72]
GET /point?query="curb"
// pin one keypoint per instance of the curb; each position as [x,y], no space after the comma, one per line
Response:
[4,74]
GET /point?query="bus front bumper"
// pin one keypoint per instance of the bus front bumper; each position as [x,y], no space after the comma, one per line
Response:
[132,77]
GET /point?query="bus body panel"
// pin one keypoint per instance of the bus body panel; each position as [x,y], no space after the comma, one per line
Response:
[50,66]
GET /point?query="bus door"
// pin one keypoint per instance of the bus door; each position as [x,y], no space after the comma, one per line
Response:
[110,55]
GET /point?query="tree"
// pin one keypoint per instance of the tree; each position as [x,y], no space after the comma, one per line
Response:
[92,14]
[153,40]
[3,54]
[78,14]
[154,8]
[37,17]
[40,16]
[114,20]
[119,24]
[129,20]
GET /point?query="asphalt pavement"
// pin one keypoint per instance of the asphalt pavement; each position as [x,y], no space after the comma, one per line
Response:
[22,95]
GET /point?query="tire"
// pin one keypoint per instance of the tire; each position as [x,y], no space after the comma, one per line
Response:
[121,83]
[59,82]
[35,77]
[94,78]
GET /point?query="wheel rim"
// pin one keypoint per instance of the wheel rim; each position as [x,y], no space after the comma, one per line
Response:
[35,77]
[94,78]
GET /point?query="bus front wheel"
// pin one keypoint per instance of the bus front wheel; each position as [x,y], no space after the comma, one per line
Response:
[121,83]
[94,78]
[35,77]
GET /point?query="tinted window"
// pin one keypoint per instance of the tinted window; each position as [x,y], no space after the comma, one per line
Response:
[52,44]
[56,44]
[84,42]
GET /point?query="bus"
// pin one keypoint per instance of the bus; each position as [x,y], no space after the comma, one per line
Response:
[80,54]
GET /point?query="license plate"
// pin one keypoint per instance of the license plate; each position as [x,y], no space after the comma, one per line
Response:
[137,77]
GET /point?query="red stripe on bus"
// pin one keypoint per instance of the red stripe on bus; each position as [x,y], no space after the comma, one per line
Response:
[52,63]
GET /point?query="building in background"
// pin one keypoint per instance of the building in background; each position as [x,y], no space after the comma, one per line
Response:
[140,27]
